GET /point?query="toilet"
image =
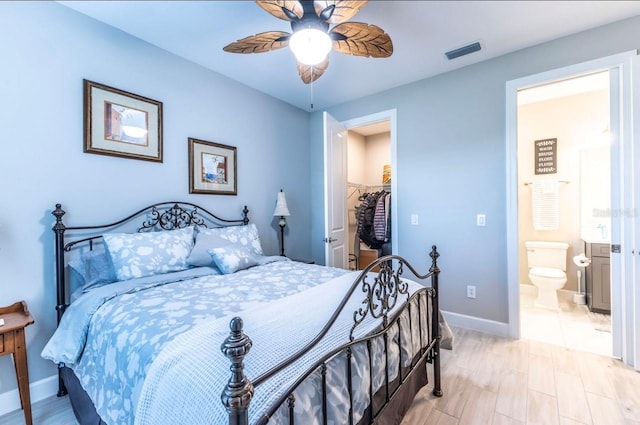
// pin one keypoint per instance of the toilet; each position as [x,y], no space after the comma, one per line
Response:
[547,262]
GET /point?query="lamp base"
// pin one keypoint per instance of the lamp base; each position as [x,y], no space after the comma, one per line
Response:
[282,224]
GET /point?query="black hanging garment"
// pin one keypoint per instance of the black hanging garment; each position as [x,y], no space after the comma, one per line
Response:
[366,218]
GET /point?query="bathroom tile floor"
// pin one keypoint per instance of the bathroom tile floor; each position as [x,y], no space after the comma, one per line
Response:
[574,327]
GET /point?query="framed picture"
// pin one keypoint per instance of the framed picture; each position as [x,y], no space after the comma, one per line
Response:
[212,168]
[122,124]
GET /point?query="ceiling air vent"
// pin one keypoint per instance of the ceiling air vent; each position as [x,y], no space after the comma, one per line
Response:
[464,50]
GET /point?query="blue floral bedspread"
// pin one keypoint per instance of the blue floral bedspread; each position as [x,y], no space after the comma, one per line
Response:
[184,383]
[111,335]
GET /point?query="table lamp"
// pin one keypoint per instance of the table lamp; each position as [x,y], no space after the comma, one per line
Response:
[281,211]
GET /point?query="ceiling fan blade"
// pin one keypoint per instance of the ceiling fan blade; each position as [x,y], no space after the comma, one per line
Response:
[285,10]
[310,73]
[259,43]
[360,39]
[343,10]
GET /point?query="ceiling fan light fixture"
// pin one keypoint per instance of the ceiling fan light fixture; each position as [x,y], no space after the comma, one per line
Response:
[310,45]
[317,27]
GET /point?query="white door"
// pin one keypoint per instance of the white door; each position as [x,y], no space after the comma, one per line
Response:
[634,269]
[625,310]
[618,236]
[335,193]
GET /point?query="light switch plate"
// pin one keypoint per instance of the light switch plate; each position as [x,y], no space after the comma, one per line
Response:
[471,291]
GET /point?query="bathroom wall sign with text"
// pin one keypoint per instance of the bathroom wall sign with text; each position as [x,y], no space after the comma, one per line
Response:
[546,157]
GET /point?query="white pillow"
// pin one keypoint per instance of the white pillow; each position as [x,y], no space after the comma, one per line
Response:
[137,255]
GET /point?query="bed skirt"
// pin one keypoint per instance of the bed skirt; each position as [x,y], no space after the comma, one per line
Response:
[398,406]
[86,414]
[83,408]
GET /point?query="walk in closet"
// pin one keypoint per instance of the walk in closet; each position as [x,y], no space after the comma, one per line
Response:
[369,177]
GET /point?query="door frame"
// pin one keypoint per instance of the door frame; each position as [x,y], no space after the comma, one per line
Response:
[387,115]
[634,266]
[619,66]
[391,116]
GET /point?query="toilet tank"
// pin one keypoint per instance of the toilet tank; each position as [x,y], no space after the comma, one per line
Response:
[547,254]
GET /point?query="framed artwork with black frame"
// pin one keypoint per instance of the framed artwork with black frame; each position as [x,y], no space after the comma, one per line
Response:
[119,123]
[213,168]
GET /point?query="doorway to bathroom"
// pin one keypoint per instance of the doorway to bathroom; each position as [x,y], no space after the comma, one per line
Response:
[624,233]
[564,204]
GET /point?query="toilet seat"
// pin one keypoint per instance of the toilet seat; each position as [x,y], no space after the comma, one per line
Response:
[547,272]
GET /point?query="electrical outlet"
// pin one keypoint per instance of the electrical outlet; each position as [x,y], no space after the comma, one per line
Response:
[481,220]
[471,291]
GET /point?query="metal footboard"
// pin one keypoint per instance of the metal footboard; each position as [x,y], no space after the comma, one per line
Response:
[381,296]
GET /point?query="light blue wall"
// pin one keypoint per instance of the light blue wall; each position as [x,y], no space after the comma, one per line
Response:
[451,154]
[452,163]
[45,52]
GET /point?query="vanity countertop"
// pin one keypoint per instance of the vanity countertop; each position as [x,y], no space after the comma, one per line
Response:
[597,241]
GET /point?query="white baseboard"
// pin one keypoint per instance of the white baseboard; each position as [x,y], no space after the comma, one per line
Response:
[477,324]
[39,390]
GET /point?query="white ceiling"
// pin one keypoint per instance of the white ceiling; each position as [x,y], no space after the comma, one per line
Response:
[421,32]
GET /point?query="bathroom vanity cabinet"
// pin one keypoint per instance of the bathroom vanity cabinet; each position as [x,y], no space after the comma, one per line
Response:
[598,277]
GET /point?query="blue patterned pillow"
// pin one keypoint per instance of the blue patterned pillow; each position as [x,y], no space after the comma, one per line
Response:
[240,235]
[233,257]
[144,254]
[91,270]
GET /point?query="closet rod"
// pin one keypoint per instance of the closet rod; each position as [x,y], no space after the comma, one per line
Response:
[367,187]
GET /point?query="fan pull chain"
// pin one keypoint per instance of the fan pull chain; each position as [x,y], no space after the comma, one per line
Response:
[311,88]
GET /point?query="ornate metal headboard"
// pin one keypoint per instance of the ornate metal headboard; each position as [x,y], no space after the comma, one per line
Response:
[160,216]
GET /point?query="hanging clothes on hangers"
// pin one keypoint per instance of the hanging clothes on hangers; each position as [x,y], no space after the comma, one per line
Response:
[373,219]
[381,217]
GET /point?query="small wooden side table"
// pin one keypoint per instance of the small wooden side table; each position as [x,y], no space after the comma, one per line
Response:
[16,317]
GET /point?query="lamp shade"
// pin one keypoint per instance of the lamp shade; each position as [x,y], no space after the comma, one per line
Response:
[281,206]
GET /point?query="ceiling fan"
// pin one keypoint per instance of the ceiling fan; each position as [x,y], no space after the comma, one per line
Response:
[313,37]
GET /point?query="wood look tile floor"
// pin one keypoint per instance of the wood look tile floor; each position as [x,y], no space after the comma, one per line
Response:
[488,380]
[574,326]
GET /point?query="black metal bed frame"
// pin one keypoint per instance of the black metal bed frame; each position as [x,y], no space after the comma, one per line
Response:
[381,297]
[382,292]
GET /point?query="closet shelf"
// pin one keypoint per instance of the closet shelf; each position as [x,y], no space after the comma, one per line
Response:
[367,188]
